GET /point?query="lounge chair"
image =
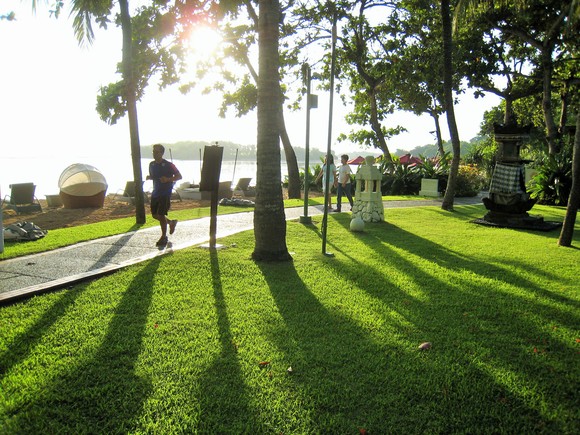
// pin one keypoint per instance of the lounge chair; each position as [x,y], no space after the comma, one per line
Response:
[22,198]
[243,188]
[192,191]
[128,194]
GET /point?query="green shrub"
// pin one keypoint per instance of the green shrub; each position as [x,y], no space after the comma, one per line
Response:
[484,157]
[470,181]
[400,178]
[312,173]
[436,168]
[553,181]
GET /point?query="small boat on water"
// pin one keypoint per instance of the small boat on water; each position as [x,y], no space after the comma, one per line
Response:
[82,186]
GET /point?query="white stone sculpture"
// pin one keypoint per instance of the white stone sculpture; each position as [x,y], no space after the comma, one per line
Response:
[368,200]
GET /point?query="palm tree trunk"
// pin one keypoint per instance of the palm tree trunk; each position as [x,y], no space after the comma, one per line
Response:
[269,217]
[448,90]
[291,161]
[574,199]
[130,96]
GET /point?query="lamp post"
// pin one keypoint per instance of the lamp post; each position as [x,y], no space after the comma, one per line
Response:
[311,103]
[329,140]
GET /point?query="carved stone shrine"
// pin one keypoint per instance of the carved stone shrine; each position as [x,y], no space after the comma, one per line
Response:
[508,202]
[368,199]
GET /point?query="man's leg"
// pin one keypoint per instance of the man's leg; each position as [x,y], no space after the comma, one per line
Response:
[339,193]
[163,225]
[172,225]
[348,191]
[159,212]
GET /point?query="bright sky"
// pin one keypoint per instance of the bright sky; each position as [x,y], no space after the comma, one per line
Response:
[49,88]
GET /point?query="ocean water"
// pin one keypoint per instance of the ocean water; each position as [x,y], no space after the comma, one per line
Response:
[45,172]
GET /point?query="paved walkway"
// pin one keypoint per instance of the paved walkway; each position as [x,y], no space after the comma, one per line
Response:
[33,274]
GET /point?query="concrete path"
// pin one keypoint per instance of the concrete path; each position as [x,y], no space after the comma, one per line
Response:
[32,274]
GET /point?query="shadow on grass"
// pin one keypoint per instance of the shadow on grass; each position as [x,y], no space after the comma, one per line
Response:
[470,212]
[223,395]
[490,336]
[102,393]
[23,344]
[328,353]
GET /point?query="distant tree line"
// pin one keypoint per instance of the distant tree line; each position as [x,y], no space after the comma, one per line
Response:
[190,150]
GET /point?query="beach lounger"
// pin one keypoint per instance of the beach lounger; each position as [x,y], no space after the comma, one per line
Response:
[128,194]
[22,198]
[243,188]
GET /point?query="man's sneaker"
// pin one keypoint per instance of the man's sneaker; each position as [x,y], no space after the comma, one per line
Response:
[161,242]
[172,225]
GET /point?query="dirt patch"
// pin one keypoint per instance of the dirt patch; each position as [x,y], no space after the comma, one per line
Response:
[53,218]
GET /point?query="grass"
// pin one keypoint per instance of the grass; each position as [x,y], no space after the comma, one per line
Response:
[174,344]
[69,236]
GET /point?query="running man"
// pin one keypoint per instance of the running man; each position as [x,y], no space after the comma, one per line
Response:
[164,174]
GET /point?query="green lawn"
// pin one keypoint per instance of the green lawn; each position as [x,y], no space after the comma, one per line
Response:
[174,344]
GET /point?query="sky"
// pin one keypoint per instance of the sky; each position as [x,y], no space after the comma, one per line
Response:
[49,88]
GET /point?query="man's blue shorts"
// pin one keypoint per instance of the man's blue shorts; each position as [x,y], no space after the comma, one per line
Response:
[160,205]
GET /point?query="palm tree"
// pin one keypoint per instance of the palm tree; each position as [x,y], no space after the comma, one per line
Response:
[131,98]
[269,217]
[448,93]
[84,12]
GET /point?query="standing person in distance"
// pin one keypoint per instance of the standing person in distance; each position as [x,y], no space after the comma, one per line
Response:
[344,183]
[164,174]
[331,181]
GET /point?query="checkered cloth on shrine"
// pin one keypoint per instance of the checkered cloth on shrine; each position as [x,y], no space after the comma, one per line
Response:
[507,179]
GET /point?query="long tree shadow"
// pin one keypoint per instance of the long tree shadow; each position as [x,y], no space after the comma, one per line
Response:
[339,371]
[23,344]
[493,327]
[115,248]
[222,391]
[102,393]
[468,213]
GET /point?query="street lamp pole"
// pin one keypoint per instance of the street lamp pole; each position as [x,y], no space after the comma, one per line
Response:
[310,103]
[329,140]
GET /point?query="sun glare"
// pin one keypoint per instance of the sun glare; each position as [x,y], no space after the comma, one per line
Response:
[204,42]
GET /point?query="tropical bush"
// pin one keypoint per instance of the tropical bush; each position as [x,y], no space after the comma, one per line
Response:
[312,173]
[470,181]
[436,168]
[400,178]
[552,183]
[484,157]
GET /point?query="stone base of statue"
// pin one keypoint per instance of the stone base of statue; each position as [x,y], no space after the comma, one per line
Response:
[369,211]
[522,221]
[511,211]
[515,204]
